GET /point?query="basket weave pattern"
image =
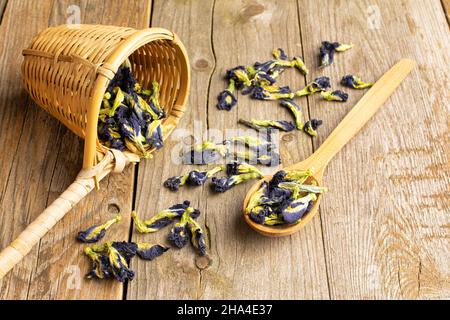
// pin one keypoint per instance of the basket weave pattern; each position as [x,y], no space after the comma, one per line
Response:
[66,71]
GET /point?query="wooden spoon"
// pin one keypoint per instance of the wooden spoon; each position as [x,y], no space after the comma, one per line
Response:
[349,126]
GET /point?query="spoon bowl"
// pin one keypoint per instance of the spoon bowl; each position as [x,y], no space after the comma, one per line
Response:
[284,229]
[347,129]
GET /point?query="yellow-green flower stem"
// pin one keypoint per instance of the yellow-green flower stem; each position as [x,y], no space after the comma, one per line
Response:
[344,47]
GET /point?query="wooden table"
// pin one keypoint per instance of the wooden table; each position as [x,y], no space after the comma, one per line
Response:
[383,229]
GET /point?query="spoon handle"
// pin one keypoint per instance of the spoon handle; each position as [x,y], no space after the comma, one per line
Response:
[361,113]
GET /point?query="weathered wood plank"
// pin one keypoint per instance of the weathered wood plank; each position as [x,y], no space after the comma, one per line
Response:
[26,160]
[49,161]
[175,275]
[386,218]
[247,265]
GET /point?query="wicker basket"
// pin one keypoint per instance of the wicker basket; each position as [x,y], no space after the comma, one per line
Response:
[66,70]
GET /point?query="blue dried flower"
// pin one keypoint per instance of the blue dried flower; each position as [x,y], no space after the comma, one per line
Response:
[260,213]
[319,84]
[256,198]
[154,134]
[336,95]
[261,93]
[118,264]
[297,208]
[328,49]
[198,178]
[179,235]
[198,237]
[154,102]
[124,79]
[295,110]
[95,233]
[134,140]
[298,63]
[126,249]
[239,75]
[163,218]
[174,183]
[100,265]
[273,124]
[311,126]
[260,78]
[147,251]
[355,82]
[226,99]
[226,183]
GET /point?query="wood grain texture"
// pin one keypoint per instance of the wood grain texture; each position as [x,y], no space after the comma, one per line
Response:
[390,239]
[247,265]
[175,275]
[383,229]
[48,159]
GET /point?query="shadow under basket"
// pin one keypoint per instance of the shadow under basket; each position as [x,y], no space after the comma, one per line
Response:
[66,71]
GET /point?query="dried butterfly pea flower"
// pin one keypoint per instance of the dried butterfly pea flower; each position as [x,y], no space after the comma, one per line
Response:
[174,183]
[279,54]
[127,249]
[270,159]
[298,208]
[295,110]
[226,99]
[328,49]
[311,126]
[343,47]
[336,95]
[154,134]
[298,63]
[134,140]
[124,79]
[299,176]
[198,178]
[261,93]
[261,78]
[256,198]
[100,265]
[254,143]
[156,223]
[204,153]
[118,101]
[198,238]
[264,124]
[118,264]
[285,199]
[259,213]
[226,183]
[239,75]
[208,145]
[154,101]
[355,82]
[178,234]
[319,84]
[236,168]
[147,251]
[95,233]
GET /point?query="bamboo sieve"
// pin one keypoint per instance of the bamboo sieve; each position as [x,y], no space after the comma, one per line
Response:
[66,71]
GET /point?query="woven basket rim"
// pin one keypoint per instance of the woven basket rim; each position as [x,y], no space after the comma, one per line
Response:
[140,38]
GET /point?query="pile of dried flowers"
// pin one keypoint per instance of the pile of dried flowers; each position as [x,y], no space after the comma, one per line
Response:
[258,81]
[111,259]
[285,199]
[185,226]
[130,116]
